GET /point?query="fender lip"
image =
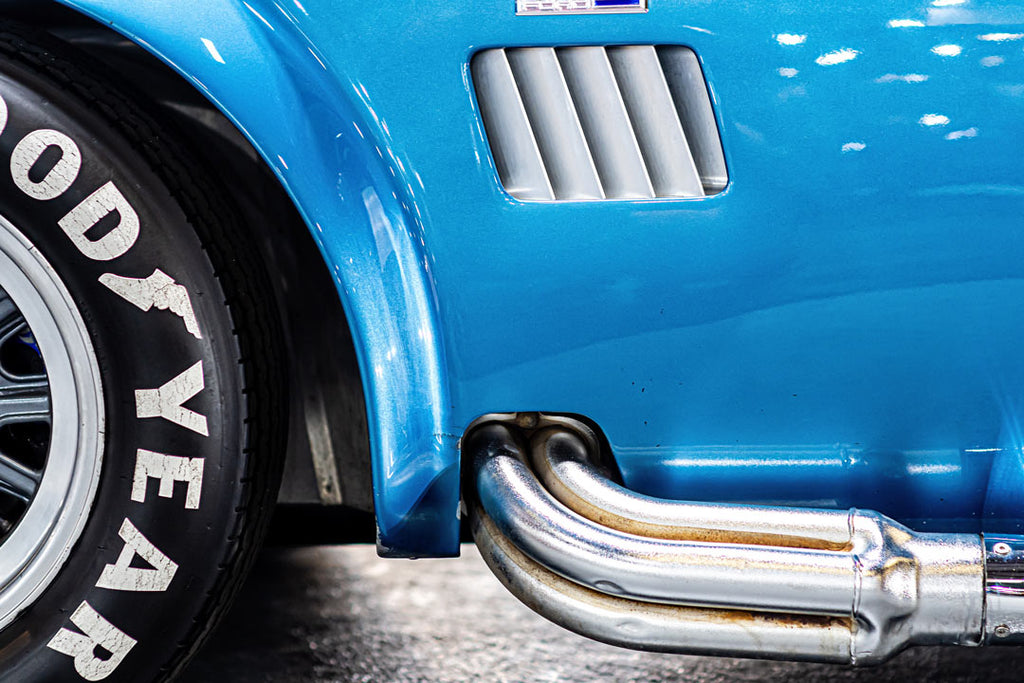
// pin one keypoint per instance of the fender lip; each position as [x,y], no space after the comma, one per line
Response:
[319,134]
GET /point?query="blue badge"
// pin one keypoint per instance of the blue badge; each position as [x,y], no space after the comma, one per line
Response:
[579,6]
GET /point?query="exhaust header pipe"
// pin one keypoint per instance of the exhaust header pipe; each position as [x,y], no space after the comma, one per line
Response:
[697,578]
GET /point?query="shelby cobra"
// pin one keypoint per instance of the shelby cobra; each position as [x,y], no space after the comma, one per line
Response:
[707,316]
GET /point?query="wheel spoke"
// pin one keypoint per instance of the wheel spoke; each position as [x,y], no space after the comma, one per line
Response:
[24,402]
[17,480]
[10,317]
[23,399]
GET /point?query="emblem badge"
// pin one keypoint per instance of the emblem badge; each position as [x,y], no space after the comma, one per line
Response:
[524,7]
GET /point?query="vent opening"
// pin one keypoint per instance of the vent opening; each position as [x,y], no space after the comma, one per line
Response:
[592,123]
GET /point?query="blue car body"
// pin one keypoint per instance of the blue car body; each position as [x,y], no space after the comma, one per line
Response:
[840,326]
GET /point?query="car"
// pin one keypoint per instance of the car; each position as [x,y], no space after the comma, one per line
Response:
[703,318]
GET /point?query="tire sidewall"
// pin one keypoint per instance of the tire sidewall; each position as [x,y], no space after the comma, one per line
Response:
[135,350]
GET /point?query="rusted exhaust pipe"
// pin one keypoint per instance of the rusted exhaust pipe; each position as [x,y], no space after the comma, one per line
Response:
[795,580]
[655,627]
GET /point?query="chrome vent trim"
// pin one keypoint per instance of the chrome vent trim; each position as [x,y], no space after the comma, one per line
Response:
[551,112]
[512,142]
[605,121]
[690,94]
[593,122]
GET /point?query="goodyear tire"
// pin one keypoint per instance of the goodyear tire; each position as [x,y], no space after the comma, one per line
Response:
[138,370]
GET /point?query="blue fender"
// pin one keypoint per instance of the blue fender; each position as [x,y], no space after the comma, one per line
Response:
[841,324]
[322,138]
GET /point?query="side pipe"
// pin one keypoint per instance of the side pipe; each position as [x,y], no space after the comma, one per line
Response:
[617,566]
[654,627]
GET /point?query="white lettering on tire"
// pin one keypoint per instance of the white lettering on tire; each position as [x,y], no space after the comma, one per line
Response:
[98,633]
[168,469]
[160,290]
[166,401]
[122,576]
[96,646]
[60,177]
[94,208]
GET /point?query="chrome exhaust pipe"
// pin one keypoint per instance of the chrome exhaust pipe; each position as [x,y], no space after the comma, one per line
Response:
[736,580]
[656,627]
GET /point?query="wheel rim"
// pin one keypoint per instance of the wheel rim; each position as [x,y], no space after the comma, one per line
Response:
[51,423]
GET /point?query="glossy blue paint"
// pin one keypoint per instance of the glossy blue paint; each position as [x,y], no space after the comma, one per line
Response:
[848,311]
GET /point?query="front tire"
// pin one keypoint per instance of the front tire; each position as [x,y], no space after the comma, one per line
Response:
[143,481]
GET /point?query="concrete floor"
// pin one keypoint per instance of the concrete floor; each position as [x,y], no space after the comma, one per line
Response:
[342,614]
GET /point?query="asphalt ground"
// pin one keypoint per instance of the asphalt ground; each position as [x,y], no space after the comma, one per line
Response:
[342,614]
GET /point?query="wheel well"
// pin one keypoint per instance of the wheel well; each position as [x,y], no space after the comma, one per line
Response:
[328,454]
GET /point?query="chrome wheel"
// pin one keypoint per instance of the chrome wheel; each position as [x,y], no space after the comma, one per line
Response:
[51,423]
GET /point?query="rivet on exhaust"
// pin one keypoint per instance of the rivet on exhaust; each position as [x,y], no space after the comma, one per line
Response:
[1002,549]
[1001,631]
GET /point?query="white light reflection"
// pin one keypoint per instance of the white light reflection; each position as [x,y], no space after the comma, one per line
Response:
[854,147]
[934,120]
[259,16]
[791,39]
[317,58]
[792,91]
[733,462]
[994,60]
[905,23]
[212,49]
[947,50]
[788,72]
[754,135]
[932,469]
[958,134]
[837,57]
[948,3]
[1013,90]
[904,78]
[1000,37]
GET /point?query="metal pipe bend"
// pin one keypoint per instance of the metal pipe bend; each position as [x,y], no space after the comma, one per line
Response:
[899,587]
[659,628]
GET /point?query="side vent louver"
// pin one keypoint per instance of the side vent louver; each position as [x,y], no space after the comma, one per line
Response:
[586,123]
